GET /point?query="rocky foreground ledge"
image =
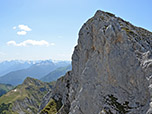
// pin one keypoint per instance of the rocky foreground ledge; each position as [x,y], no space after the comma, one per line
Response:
[111,70]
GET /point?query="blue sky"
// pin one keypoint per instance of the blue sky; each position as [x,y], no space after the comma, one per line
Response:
[48,29]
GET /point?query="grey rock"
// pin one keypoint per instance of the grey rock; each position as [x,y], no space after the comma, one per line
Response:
[111,69]
[45,100]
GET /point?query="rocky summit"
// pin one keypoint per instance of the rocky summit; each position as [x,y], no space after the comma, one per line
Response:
[111,70]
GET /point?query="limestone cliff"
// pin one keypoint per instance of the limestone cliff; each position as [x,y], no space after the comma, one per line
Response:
[111,69]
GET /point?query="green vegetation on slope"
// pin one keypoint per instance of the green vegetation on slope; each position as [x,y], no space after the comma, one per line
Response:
[25,97]
[52,107]
[4,88]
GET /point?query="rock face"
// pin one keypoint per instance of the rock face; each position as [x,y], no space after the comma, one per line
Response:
[111,69]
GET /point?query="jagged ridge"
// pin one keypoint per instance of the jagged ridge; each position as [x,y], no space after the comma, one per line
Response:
[25,98]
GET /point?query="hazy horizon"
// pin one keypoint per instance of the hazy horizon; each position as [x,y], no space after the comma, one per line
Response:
[34,60]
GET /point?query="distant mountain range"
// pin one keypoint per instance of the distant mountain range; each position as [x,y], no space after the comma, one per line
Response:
[34,69]
[14,65]
[8,66]
[54,75]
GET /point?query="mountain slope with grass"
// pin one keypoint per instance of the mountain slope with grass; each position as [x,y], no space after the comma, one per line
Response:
[4,88]
[25,98]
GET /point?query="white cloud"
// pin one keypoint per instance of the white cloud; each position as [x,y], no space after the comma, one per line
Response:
[21,32]
[24,27]
[14,27]
[11,43]
[29,43]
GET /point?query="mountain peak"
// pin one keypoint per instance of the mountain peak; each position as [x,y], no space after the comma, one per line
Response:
[111,69]
[24,98]
[29,81]
[101,13]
